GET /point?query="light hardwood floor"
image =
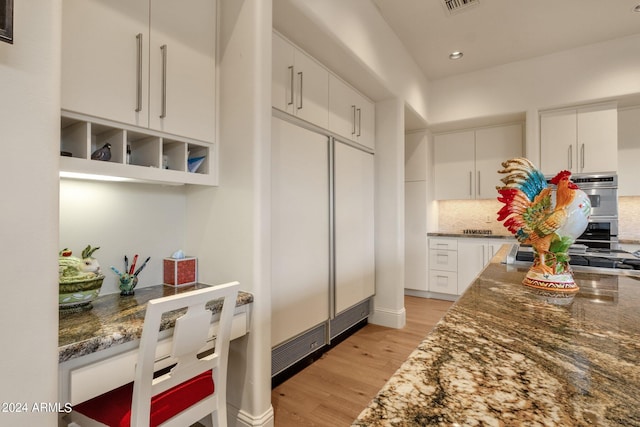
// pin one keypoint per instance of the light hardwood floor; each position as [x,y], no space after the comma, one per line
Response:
[336,388]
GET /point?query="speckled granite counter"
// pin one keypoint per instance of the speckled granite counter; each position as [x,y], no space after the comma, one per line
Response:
[117,320]
[507,355]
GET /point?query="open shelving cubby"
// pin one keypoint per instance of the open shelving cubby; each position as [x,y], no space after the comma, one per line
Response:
[137,154]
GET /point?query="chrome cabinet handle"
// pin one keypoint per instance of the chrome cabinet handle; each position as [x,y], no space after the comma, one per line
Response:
[570,158]
[478,183]
[353,120]
[470,183]
[139,73]
[290,85]
[581,157]
[300,94]
[163,112]
[359,122]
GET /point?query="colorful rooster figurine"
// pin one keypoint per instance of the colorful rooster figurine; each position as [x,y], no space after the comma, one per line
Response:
[548,219]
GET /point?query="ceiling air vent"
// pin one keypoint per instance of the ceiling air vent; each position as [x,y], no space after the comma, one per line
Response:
[455,6]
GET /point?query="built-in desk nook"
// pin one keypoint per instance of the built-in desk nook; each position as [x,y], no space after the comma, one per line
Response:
[98,347]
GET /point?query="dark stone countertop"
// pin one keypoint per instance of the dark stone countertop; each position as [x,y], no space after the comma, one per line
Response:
[506,354]
[472,236]
[116,320]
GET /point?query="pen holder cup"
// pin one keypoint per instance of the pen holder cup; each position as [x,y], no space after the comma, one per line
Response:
[127,283]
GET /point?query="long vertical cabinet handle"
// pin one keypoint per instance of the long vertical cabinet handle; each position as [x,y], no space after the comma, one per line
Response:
[301,85]
[353,120]
[478,184]
[581,157]
[359,122]
[470,184]
[163,112]
[570,157]
[290,85]
[139,73]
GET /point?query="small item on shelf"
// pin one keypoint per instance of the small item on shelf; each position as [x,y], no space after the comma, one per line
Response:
[79,279]
[128,154]
[66,154]
[103,153]
[128,279]
[180,270]
[194,163]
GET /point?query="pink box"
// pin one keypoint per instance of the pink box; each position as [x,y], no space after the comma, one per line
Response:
[178,272]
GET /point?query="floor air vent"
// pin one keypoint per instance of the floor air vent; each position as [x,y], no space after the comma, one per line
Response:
[287,354]
[348,318]
[454,6]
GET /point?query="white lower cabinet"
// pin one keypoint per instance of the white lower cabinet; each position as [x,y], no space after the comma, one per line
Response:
[443,266]
[454,263]
[473,256]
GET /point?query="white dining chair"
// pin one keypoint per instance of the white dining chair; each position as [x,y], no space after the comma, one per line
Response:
[193,388]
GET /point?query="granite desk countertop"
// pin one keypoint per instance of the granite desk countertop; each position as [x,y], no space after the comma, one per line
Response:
[505,354]
[116,320]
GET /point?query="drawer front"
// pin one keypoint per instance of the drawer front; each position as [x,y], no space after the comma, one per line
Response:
[443,244]
[444,282]
[443,260]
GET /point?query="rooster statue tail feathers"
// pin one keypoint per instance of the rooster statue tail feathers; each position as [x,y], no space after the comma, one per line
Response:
[526,197]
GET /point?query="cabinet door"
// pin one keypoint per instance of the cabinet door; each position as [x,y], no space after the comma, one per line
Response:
[454,165]
[367,123]
[494,145]
[282,88]
[629,149]
[342,108]
[312,90]
[100,59]
[182,95]
[597,142]
[415,235]
[300,230]
[472,257]
[558,135]
[354,227]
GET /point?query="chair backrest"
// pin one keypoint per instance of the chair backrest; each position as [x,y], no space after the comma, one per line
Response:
[190,336]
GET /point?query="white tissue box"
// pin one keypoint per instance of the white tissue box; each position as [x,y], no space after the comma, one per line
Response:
[178,272]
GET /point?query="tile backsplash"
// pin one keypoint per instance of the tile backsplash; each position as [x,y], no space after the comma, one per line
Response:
[454,216]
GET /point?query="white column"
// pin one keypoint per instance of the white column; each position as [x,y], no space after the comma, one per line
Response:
[389,170]
[229,225]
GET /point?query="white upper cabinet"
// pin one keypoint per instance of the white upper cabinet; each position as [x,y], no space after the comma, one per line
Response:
[580,140]
[629,151]
[351,115]
[300,85]
[113,66]
[467,162]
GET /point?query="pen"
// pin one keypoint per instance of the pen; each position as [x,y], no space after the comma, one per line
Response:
[142,266]
[126,263]
[115,270]
[133,264]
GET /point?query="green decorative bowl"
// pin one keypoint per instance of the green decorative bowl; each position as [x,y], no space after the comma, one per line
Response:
[78,295]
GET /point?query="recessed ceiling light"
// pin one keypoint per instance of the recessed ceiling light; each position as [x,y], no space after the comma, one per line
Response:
[455,55]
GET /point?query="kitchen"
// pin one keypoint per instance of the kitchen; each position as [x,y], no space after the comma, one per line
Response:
[238,212]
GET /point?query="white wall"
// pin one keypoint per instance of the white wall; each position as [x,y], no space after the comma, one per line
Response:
[30,121]
[123,219]
[600,71]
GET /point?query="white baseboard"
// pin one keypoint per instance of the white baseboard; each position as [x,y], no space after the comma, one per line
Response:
[389,318]
[244,419]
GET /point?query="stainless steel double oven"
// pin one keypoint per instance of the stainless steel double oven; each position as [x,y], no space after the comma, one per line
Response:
[602,189]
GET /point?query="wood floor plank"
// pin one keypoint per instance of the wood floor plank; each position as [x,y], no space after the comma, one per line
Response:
[333,390]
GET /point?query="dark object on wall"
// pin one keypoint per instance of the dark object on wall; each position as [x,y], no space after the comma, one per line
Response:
[6,21]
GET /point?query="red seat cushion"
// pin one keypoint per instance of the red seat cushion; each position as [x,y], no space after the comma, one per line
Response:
[114,407]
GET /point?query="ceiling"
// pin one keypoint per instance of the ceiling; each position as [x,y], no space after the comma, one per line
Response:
[496,32]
